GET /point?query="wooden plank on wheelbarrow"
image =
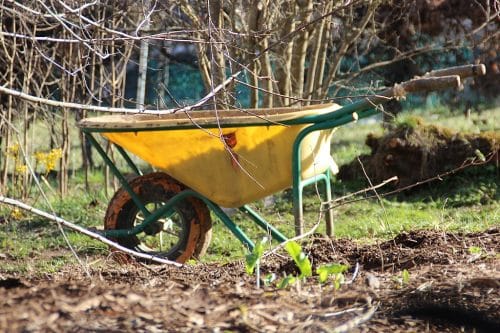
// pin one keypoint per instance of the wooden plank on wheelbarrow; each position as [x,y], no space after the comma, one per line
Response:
[212,118]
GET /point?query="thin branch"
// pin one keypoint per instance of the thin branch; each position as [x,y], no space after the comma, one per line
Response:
[296,238]
[159,36]
[356,321]
[78,106]
[371,188]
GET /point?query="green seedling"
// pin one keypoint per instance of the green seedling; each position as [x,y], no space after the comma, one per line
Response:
[475,250]
[269,279]
[300,258]
[334,270]
[287,281]
[253,258]
[403,279]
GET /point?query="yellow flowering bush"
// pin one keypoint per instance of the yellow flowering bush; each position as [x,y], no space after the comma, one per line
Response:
[21,168]
[48,160]
[13,150]
[45,162]
[16,214]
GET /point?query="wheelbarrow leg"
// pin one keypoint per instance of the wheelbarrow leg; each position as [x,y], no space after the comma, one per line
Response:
[347,115]
[298,209]
[329,212]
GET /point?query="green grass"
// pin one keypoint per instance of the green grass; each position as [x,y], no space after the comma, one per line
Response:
[35,245]
[349,141]
[466,202]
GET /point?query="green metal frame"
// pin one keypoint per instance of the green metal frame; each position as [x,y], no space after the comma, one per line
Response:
[298,184]
[329,120]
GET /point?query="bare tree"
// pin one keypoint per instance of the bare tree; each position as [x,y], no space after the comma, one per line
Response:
[306,52]
[287,52]
[64,51]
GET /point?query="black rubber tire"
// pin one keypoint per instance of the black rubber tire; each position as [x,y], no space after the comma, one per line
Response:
[193,217]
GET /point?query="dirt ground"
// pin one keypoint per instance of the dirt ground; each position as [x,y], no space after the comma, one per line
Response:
[416,151]
[453,286]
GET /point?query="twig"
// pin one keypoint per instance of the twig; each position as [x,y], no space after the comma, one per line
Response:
[59,220]
[339,313]
[45,181]
[371,188]
[299,237]
[354,275]
[356,321]
[78,106]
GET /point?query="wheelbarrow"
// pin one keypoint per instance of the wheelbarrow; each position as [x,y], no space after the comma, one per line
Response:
[226,158]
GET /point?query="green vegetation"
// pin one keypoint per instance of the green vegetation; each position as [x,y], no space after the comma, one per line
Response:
[336,271]
[300,258]
[466,202]
[294,250]
[403,279]
[253,258]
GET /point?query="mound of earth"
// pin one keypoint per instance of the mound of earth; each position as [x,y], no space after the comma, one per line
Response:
[452,285]
[416,151]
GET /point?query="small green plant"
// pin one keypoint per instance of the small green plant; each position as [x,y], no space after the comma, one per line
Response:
[287,281]
[475,250]
[253,258]
[336,271]
[294,250]
[300,258]
[403,279]
[269,279]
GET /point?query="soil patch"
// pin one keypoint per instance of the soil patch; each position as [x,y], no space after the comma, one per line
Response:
[453,285]
[415,151]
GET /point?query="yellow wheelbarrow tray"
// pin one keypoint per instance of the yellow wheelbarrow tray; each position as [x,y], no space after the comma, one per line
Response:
[226,158]
[230,166]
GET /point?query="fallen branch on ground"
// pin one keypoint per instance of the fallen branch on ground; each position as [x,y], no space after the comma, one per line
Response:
[356,321]
[30,209]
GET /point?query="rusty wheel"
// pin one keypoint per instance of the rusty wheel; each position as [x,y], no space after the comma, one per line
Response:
[183,232]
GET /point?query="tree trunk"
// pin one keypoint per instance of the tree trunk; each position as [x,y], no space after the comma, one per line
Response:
[321,65]
[284,51]
[266,69]
[216,52]
[258,42]
[10,103]
[143,63]
[316,63]
[300,49]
